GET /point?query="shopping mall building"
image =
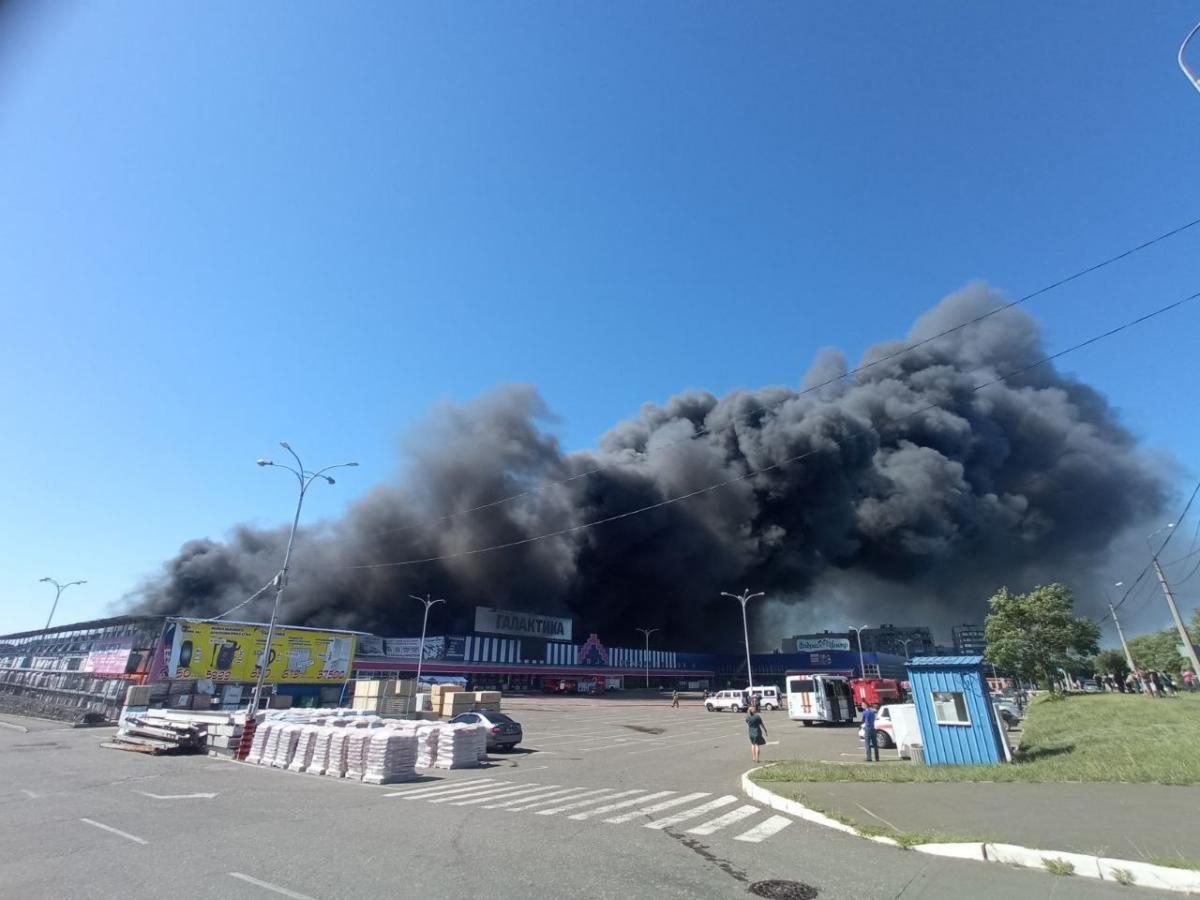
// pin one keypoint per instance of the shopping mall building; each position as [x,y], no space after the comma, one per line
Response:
[84,667]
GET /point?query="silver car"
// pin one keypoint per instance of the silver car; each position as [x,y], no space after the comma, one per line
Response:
[503,732]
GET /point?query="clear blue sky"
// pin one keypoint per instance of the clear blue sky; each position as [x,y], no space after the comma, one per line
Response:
[224,224]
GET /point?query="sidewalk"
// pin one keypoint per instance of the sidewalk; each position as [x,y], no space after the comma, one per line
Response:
[1144,822]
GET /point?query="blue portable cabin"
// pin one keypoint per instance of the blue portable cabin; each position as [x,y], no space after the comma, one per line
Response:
[955,712]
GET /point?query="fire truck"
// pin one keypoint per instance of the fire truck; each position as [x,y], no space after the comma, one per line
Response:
[876,690]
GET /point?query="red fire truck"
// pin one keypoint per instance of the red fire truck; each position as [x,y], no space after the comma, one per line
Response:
[876,690]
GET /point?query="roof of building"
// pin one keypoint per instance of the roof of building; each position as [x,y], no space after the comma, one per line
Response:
[941,661]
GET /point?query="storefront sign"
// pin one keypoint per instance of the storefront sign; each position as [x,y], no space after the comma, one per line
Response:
[500,621]
[230,651]
[369,645]
[456,649]
[108,657]
[804,645]
[406,648]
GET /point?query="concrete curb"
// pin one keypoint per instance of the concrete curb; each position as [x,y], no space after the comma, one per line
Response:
[1125,871]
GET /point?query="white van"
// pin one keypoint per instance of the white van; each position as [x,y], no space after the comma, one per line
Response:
[767,696]
[819,698]
[726,700]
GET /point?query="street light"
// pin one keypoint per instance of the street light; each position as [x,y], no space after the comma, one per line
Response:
[905,642]
[646,659]
[744,598]
[862,672]
[429,602]
[304,478]
[58,589]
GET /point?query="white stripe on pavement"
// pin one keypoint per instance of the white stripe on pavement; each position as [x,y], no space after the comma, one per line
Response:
[117,831]
[730,818]
[657,807]
[692,813]
[510,792]
[764,830]
[581,803]
[612,807]
[266,885]
[440,786]
[459,790]
[546,794]
[500,787]
[575,794]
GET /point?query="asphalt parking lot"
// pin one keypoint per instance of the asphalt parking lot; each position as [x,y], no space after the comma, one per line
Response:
[606,798]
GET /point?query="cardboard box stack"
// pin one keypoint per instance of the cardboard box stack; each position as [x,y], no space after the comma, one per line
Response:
[366,694]
[454,702]
[397,698]
[488,700]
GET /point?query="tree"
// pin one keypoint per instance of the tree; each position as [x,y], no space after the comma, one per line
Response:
[1112,662]
[1158,651]
[1032,635]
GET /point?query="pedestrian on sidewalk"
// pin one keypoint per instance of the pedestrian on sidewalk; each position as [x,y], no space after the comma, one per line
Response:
[1189,680]
[1155,684]
[758,732]
[870,739]
[674,699]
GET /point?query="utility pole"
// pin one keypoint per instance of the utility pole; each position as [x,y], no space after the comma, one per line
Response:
[1120,633]
[1183,632]
[646,659]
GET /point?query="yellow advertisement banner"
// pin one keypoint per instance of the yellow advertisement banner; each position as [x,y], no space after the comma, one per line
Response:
[230,652]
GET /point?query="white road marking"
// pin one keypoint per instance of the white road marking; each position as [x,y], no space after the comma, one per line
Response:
[657,807]
[508,792]
[266,885]
[764,830]
[117,831]
[30,794]
[772,743]
[20,728]
[574,794]
[613,807]
[543,794]
[581,803]
[692,813]
[498,787]
[425,789]
[877,816]
[176,796]
[730,818]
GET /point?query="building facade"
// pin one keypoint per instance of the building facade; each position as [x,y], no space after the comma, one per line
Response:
[899,640]
[969,640]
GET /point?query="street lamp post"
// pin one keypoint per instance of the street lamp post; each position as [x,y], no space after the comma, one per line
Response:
[1187,70]
[305,478]
[905,642]
[58,591]
[646,659]
[862,672]
[429,602]
[744,598]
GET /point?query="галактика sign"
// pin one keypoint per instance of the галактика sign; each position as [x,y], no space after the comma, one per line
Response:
[503,621]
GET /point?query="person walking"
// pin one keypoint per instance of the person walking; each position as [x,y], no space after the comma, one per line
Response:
[1189,680]
[758,732]
[870,739]
[675,699]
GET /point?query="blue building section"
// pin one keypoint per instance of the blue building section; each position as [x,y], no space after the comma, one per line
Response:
[769,668]
[954,709]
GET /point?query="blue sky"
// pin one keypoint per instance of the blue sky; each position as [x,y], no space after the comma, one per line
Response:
[224,224]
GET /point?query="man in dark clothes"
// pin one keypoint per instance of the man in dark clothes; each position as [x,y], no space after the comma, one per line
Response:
[870,740]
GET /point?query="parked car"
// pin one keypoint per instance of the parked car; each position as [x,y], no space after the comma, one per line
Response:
[885,737]
[503,732]
[727,700]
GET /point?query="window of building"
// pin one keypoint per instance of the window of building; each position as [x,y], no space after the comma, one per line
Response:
[950,708]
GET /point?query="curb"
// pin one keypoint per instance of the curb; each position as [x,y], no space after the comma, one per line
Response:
[1131,872]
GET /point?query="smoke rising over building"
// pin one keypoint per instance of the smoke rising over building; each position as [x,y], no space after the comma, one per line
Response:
[1022,481]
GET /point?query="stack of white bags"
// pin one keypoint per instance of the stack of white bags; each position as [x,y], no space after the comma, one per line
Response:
[427,745]
[335,766]
[391,756]
[356,753]
[305,745]
[459,746]
[259,744]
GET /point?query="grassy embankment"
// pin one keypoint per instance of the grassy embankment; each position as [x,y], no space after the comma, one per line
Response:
[1082,738]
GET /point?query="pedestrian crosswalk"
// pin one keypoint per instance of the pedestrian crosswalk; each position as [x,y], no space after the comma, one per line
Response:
[699,812]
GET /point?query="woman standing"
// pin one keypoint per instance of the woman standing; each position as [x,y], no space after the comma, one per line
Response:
[758,732]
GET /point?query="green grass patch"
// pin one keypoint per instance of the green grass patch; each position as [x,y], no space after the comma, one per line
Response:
[906,839]
[1083,738]
[1176,862]
[1059,866]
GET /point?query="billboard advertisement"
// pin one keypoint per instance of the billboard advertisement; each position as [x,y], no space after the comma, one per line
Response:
[229,651]
[108,657]
[406,648]
[500,621]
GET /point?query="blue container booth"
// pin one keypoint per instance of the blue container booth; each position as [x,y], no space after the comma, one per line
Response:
[955,712]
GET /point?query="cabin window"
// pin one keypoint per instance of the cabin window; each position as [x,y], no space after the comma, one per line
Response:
[950,708]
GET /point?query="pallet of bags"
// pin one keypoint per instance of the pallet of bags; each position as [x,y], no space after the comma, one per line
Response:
[391,756]
[271,747]
[320,755]
[458,746]
[289,735]
[336,766]
[427,745]
[304,749]
[258,744]
[356,752]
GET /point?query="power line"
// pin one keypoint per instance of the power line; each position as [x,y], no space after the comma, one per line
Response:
[738,478]
[1162,547]
[701,431]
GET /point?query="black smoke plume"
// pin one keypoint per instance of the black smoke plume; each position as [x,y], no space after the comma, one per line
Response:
[898,514]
